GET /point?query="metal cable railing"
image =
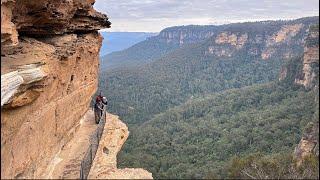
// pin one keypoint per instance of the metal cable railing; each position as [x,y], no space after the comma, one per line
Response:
[87,161]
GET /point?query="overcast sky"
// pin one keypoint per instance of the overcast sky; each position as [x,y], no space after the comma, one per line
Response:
[155,15]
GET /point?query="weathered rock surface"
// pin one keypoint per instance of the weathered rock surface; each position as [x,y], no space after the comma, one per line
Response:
[44,110]
[66,163]
[310,72]
[10,83]
[57,17]
[309,143]
[285,41]
[284,34]
[48,81]
[183,35]
[105,163]
[18,82]
[9,35]
[308,77]
[233,39]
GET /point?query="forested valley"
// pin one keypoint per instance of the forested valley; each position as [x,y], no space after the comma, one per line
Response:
[212,106]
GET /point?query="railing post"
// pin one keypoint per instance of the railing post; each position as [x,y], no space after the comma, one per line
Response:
[90,154]
[98,134]
[81,171]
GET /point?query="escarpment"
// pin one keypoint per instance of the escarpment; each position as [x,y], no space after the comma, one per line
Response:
[308,76]
[265,40]
[304,71]
[186,34]
[283,42]
[49,72]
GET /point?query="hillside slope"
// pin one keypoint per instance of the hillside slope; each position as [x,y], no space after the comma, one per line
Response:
[198,138]
[207,101]
[225,60]
[262,124]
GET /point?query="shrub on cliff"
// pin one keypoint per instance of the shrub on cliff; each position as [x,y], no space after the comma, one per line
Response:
[276,166]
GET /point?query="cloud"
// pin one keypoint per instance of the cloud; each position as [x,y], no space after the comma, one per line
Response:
[155,15]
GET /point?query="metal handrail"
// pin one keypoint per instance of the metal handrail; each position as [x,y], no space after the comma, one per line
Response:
[90,154]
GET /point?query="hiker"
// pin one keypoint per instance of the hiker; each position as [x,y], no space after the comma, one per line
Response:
[98,110]
[101,101]
[99,98]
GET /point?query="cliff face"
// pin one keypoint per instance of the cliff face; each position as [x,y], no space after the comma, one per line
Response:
[309,78]
[267,40]
[49,71]
[264,40]
[282,42]
[304,71]
[186,34]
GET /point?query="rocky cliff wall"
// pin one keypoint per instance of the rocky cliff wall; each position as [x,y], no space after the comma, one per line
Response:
[186,34]
[309,78]
[49,71]
[260,40]
[304,71]
[283,42]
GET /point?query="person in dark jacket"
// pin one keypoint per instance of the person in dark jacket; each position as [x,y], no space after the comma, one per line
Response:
[98,110]
[99,98]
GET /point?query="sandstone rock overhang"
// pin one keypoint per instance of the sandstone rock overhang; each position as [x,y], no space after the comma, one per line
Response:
[45,17]
[48,17]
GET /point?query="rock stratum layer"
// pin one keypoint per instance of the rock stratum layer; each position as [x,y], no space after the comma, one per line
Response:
[49,71]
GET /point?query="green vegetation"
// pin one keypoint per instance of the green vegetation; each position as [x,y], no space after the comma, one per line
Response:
[199,137]
[194,115]
[275,166]
[137,54]
[313,41]
[173,79]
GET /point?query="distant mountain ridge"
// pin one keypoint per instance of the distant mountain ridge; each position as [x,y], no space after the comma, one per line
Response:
[173,38]
[238,55]
[117,41]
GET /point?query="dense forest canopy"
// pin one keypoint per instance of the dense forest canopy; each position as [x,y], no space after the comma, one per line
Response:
[194,114]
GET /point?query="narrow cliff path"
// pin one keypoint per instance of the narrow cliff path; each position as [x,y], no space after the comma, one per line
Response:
[66,163]
[104,165]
